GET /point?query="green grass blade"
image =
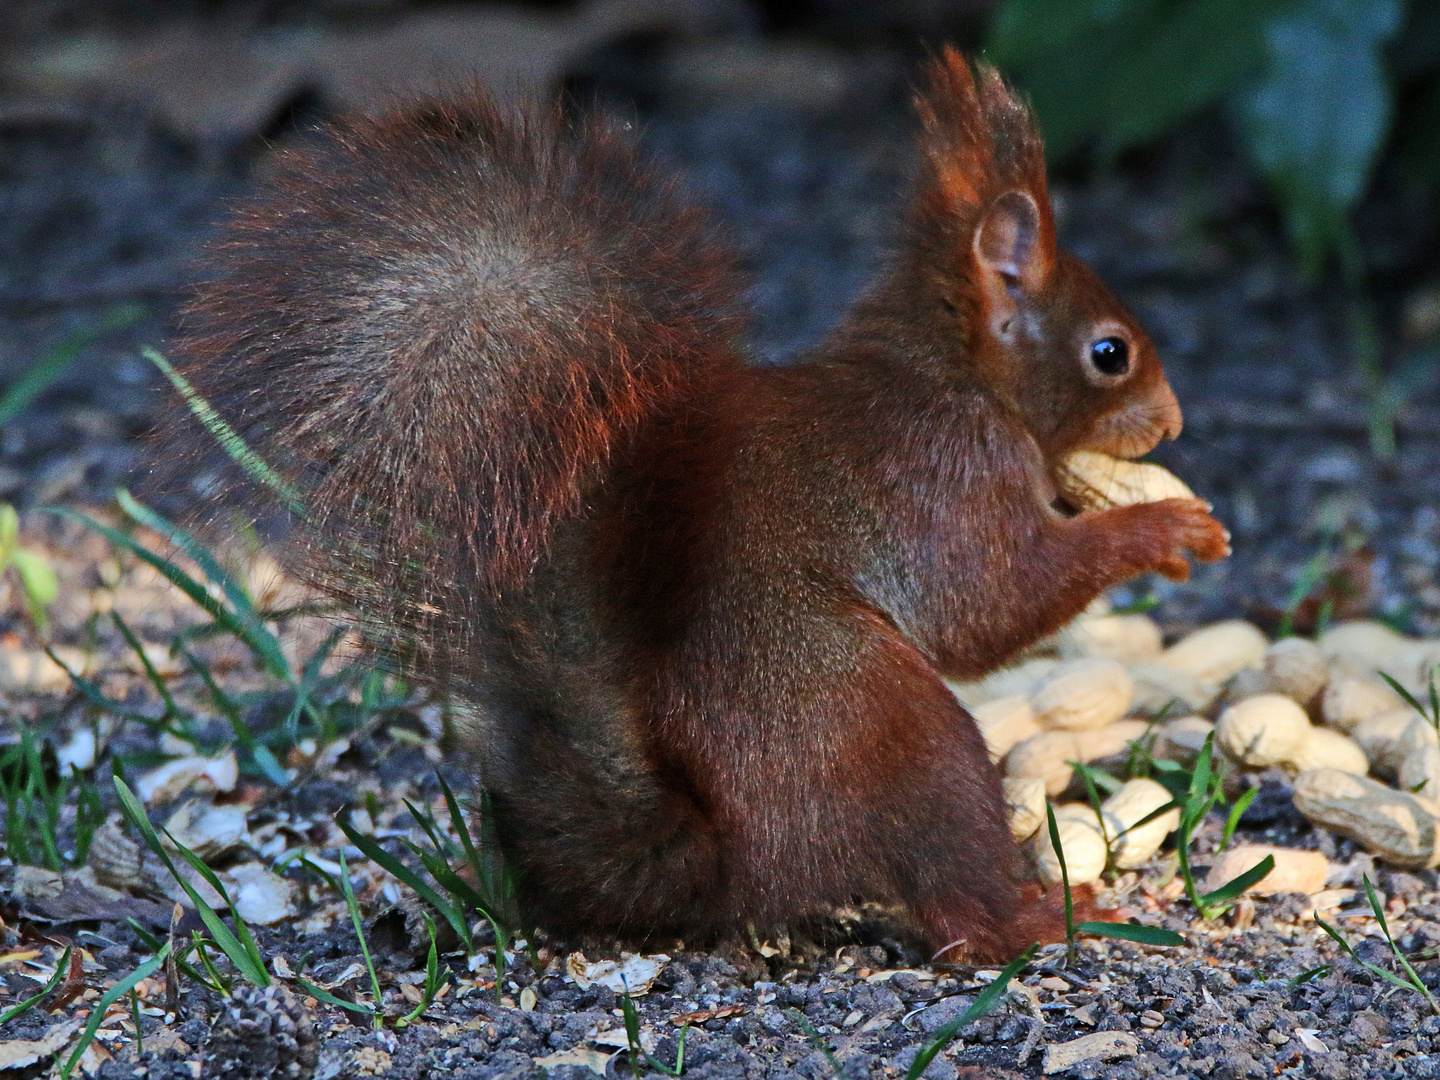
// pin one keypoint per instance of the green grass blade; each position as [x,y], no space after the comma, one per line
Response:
[1374,969]
[200,945]
[242,931]
[1374,899]
[432,977]
[1409,698]
[1232,820]
[224,618]
[61,967]
[89,816]
[1201,775]
[462,829]
[19,395]
[1238,884]
[1173,804]
[308,682]
[171,709]
[985,1001]
[114,994]
[427,824]
[321,994]
[246,960]
[1416,983]
[1145,935]
[1064,873]
[228,438]
[259,640]
[448,880]
[93,694]
[353,906]
[802,1021]
[1099,779]
[1311,574]
[261,755]
[197,552]
[373,851]
[41,796]
[186,968]
[1307,975]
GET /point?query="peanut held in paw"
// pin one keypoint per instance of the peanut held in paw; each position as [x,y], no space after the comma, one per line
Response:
[1159,500]
[1098,481]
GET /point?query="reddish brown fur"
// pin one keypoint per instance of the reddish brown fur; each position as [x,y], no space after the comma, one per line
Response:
[697,611]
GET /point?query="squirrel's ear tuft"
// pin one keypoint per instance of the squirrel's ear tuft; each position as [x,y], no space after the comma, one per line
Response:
[978,137]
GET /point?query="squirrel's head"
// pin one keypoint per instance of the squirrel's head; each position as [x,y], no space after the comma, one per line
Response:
[1037,327]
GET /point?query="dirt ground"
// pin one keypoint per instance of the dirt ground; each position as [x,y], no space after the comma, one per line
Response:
[112,173]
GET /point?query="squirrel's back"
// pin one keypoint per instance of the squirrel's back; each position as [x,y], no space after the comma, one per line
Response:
[439,323]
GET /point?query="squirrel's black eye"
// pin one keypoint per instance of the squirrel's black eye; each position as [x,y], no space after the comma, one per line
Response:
[1111,356]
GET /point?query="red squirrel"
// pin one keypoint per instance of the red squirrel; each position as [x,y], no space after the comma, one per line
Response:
[694,611]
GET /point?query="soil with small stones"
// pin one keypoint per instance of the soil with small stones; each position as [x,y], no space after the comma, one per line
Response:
[1260,992]
[105,204]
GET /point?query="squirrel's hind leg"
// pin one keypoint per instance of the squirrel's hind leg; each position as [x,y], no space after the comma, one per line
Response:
[600,845]
[935,821]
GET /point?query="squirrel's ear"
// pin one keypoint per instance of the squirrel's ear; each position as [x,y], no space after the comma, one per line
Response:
[1010,255]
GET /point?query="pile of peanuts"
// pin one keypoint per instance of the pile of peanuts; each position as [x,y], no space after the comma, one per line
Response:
[1364,763]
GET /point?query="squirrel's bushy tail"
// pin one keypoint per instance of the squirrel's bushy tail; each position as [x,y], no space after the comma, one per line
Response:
[438,323]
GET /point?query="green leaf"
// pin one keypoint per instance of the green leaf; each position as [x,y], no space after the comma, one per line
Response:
[38,581]
[1028,31]
[1124,71]
[228,438]
[321,994]
[260,641]
[52,365]
[1145,935]
[61,967]
[9,532]
[1319,114]
[986,1000]
[373,851]
[1232,821]
[223,616]
[1192,56]
[246,957]
[114,994]
[1238,884]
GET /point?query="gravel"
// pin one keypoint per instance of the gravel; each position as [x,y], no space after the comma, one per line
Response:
[104,205]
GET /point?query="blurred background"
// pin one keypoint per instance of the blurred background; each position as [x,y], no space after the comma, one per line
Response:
[1259,179]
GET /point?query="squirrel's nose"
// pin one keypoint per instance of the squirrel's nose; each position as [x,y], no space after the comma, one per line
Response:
[1168,420]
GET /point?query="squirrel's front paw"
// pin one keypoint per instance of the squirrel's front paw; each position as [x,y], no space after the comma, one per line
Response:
[1187,526]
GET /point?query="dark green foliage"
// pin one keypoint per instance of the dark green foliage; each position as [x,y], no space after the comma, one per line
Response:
[1315,91]
[1310,85]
